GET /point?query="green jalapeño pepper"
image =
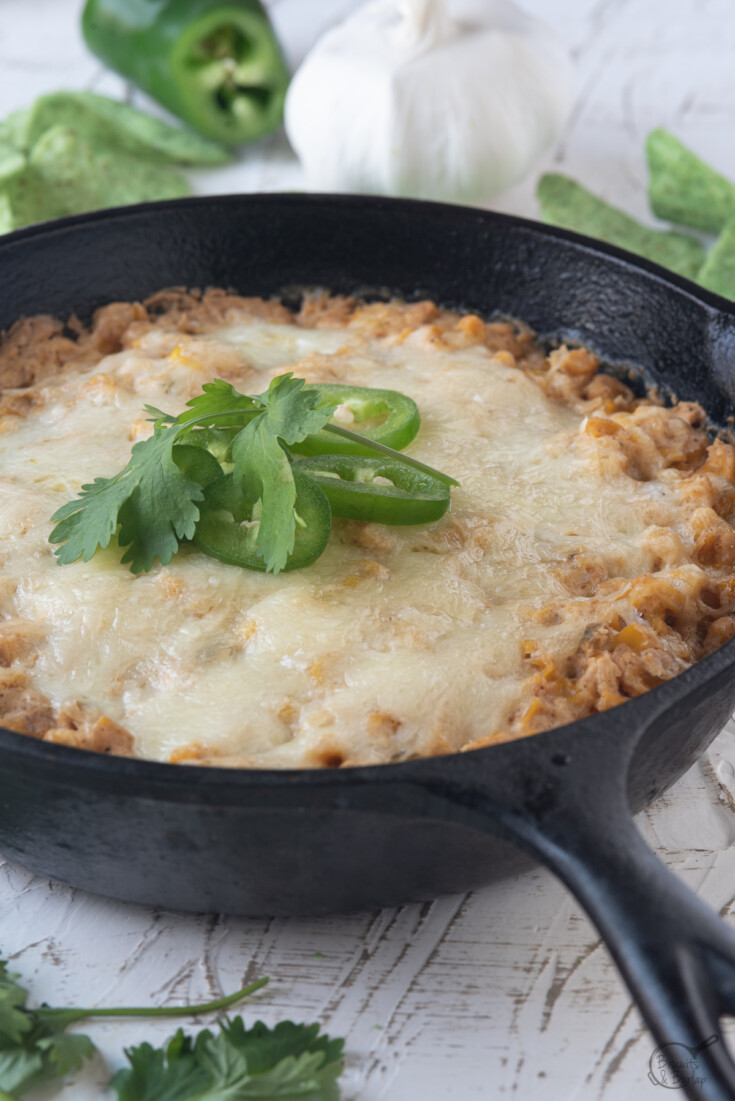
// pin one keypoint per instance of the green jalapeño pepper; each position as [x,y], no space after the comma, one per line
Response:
[386,416]
[214,63]
[385,491]
[217,441]
[228,524]
[196,463]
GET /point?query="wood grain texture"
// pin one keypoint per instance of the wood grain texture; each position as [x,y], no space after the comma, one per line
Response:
[506,992]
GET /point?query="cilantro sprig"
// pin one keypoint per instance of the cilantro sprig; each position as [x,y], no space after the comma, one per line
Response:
[288,1062]
[152,505]
[32,1050]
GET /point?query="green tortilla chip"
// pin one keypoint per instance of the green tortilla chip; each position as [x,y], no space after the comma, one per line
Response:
[28,196]
[65,175]
[718,273]
[106,154]
[683,189]
[14,130]
[83,178]
[11,162]
[6,215]
[567,204]
[106,123]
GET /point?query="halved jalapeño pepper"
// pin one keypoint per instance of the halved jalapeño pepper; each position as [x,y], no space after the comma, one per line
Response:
[228,524]
[196,463]
[217,441]
[214,63]
[385,491]
[386,416]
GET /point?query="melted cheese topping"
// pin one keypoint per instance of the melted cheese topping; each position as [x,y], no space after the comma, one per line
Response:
[396,642]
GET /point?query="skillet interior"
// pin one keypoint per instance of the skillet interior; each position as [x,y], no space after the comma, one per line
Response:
[204,839]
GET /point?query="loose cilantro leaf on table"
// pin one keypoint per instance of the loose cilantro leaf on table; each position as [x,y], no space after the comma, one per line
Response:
[32,1050]
[35,1047]
[170,1073]
[14,1021]
[287,1063]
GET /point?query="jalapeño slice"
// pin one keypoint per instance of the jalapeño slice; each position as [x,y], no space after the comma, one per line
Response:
[228,524]
[385,491]
[386,416]
[196,463]
[217,441]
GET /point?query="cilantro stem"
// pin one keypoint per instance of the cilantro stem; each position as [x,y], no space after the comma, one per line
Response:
[383,450]
[49,1013]
[355,437]
[246,414]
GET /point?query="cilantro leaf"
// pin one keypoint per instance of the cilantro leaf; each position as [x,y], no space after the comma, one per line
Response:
[290,415]
[261,461]
[159,415]
[161,510]
[227,1068]
[288,1063]
[20,1068]
[172,1073]
[90,521]
[14,1022]
[220,397]
[294,1079]
[21,1064]
[34,1048]
[294,413]
[31,1050]
[66,1051]
[152,500]
[264,1047]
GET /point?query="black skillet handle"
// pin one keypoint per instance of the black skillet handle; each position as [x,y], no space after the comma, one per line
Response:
[676,955]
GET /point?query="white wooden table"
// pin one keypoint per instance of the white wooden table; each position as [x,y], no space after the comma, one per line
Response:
[507,991]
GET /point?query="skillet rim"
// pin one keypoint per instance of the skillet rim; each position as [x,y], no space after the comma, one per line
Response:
[165,774]
[714,302]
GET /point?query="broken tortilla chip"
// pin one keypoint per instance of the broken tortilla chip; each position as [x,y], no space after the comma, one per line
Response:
[685,190]
[718,273]
[566,203]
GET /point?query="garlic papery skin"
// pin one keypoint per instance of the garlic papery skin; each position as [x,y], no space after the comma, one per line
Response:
[422,22]
[435,99]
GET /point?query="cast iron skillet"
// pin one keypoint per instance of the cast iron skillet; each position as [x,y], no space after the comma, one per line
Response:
[258,842]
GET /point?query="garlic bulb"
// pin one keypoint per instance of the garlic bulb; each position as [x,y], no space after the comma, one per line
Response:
[439,99]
